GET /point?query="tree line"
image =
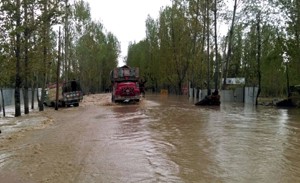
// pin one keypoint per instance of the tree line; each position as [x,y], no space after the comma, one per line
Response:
[29,42]
[183,45]
[186,44]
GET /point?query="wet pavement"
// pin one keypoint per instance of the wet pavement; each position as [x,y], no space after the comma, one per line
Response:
[162,139]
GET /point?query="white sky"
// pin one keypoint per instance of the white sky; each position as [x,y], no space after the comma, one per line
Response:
[125,18]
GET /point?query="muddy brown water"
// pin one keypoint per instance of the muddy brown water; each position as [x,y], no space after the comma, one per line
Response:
[162,139]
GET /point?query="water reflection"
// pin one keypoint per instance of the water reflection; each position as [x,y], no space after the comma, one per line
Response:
[233,143]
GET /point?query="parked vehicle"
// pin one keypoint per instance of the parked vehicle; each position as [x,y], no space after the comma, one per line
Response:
[125,85]
[69,93]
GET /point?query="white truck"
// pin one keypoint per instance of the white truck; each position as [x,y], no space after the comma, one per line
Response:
[69,93]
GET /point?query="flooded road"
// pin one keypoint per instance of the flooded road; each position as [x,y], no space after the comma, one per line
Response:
[163,139]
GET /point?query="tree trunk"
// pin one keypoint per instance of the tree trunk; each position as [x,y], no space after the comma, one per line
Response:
[32,95]
[208,44]
[66,70]
[37,92]
[58,69]
[18,58]
[195,32]
[3,103]
[287,80]
[258,58]
[180,87]
[34,85]
[45,55]
[202,58]
[41,101]
[223,60]
[297,35]
[26,69]
[216,48]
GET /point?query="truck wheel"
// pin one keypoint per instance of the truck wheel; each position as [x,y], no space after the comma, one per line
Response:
[76,104]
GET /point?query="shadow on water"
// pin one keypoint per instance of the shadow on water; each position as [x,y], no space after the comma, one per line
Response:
[126,108]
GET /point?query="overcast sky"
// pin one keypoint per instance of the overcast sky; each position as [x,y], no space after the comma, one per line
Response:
[125,18]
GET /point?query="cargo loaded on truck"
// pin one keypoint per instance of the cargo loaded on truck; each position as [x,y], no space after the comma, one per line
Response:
[69,93]
[125,84]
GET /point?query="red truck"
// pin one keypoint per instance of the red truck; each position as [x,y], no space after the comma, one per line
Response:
[125,84]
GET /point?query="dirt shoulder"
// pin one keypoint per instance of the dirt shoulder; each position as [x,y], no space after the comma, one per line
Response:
[44,146]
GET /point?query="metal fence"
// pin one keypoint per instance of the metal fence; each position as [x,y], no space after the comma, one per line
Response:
[245,95]
[9,96]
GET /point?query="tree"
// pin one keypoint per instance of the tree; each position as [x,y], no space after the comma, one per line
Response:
[230,37]
[58,69]
[290,10]
[258,55]
[6,69]
[26,57]
[208,45]
[197,26]
[152,66]
[176,40]
[50,16]
[18,59]
[29,42]
[216,46]
[97,55]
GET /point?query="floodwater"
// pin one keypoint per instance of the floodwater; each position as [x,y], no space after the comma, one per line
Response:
[171,140]
[162,139]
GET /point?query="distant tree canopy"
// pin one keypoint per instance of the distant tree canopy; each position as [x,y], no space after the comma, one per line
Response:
[179,48]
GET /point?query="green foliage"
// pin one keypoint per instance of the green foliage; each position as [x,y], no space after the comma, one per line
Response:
[174,50]
[28,45]
[168,53]
[96,54]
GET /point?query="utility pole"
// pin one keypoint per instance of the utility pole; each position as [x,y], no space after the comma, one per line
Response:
[208,44]
[66,62]
[58,69]
[18,60]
